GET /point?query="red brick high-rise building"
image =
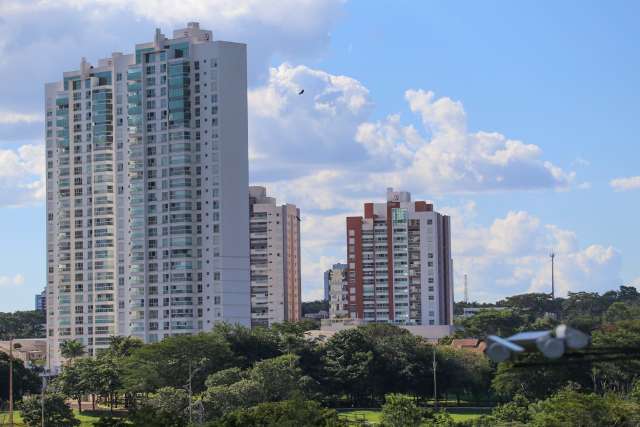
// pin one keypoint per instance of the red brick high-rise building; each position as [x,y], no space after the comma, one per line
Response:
[399,263]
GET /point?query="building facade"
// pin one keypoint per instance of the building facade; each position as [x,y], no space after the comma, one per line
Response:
[327,279]
[147,170]
[41,301]
[275,260]
[399,263]
[336,279]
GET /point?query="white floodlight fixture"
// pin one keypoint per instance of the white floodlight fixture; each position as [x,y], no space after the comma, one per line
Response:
[550,347]
[573,338]
[528,340]
[498,349]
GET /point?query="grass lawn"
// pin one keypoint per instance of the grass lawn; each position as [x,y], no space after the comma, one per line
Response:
[87,418]
[373,416]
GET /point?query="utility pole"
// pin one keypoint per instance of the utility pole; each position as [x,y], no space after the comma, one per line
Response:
[44,388]
[11,382]
[466,290]
[435,382]
[190,394]
[552,255]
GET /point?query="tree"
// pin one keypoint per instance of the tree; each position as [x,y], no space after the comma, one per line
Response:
[277,378]
[463,372]
[56,412]
[166,408]
[532,304]
[621,311]
[270,380]
[289,413]
[538,381]
[619,374]
[225,377]
[72,383]
[89,376]
[493,322]
[401,410]
[571,408]
[515,411]
[22,324]
[584,304]
[170,362]
[121,346]
[25,381]
[71,349]
[247,345]
[221,399]
[314,306]
[347,364]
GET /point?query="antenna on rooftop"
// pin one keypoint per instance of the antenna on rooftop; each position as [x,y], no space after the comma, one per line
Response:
[552,255]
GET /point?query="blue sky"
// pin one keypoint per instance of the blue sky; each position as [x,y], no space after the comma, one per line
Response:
[519,119]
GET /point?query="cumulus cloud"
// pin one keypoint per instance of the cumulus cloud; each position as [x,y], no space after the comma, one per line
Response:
[287,28]
[625,184]
[446,157]
[12,117]
[511,256]
[22,175]
[15,280]
[291,131]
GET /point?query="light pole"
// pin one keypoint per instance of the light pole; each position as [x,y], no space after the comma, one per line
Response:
[11,382]
[11,347]
[435,383]
[44,375]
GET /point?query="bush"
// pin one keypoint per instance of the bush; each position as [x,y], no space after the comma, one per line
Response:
[515,411]
[288,413]
[109,421]
[56,411]
[569,407]
[401,410]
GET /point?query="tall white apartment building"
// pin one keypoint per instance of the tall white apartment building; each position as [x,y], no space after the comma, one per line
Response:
[275,260]
[399,263]
[147,214]
[336,277]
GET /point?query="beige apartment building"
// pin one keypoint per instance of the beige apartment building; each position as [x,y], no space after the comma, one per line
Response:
[274,238]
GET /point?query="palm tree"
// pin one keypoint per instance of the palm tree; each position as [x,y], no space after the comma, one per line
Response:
[121,346]
[71,349]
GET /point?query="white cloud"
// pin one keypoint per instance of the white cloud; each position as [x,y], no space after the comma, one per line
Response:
[291,131]
[320,151]
[287,28]
[624,184]
[11,117]
[511,256]
[448,158]
[22,175]
[15,280]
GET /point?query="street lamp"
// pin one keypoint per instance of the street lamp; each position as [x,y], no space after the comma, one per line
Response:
[45,375]
[11,347]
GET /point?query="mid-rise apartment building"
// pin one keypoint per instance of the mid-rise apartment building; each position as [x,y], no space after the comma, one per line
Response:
[399,263]
[41,301]
[275,260]
[327,279]
[147,214]
[336,280]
